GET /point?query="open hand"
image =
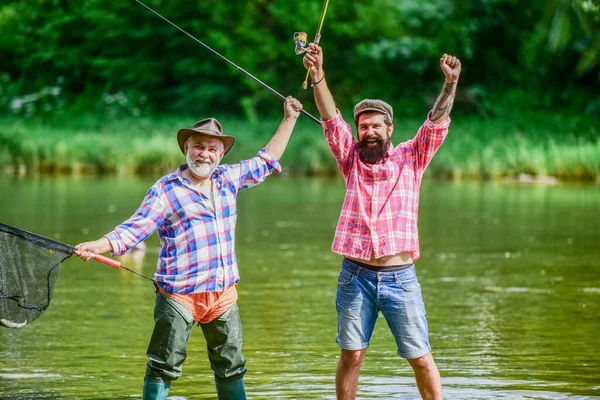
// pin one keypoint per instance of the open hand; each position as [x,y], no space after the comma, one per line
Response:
[450,67]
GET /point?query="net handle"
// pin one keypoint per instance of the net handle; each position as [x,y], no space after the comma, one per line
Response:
[106,260]
[45,242]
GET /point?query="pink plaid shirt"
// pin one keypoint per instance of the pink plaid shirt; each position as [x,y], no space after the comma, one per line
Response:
[379,215]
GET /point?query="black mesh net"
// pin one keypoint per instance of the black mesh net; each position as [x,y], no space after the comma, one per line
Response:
[29,267]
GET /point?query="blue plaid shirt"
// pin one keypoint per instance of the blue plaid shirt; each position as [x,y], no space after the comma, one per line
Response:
[197,239]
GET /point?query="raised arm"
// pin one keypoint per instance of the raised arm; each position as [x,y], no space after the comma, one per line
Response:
[323,97]
[279,141]
[443,106]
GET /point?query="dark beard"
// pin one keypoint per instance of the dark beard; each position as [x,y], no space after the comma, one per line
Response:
[375,154]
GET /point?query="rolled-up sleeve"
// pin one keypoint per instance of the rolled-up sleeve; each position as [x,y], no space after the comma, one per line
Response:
[253,171]
[338,134]
[426,143]
[142,223]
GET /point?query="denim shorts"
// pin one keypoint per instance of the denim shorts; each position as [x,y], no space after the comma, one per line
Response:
[362,294]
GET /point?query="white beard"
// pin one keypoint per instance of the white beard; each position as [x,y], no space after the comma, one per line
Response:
[198,167]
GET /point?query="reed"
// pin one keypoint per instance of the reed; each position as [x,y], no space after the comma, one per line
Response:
[537,144]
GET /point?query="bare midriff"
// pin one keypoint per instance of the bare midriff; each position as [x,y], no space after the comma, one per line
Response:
[396,259]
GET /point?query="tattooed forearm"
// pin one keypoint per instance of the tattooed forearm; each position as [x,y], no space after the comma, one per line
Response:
[443,104]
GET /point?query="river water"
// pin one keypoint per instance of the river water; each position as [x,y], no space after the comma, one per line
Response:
[510,276]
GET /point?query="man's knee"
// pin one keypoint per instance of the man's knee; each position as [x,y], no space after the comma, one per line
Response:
[353,358]
[425,361]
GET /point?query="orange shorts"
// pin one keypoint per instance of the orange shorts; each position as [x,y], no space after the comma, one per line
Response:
[206,306]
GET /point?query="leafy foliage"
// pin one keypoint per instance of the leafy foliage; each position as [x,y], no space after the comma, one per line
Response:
[118,59]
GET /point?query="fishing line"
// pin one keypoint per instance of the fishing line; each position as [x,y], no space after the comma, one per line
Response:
[248,74]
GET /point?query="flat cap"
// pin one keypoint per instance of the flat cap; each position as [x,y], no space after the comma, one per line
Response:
[373,105]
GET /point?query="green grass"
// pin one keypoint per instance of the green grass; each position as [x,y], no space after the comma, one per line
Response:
[535,143]
[567,148]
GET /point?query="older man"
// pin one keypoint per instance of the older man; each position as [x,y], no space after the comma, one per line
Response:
[377,229]
[194,211]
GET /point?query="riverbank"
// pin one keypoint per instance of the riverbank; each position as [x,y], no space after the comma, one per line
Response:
[538,144]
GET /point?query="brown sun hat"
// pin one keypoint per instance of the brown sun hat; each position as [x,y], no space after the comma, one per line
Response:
[370,105]
[208,127]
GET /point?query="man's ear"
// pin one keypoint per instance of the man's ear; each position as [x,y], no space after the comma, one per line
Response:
[186,145]
[391,129]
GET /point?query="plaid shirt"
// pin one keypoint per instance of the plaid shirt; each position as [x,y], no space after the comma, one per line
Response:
[197,239]
[379,215]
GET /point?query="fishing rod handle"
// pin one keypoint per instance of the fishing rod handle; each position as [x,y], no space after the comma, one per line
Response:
[305,83]
[106,260]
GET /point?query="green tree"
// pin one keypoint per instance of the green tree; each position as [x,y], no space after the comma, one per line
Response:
[116,58]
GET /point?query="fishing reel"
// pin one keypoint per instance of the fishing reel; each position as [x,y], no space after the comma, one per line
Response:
[301,42]
[301,39]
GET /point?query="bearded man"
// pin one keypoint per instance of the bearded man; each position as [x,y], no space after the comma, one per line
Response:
[377,229]
[194,211]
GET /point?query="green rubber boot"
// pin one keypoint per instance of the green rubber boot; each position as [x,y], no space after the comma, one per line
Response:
[231,390]
[156,390]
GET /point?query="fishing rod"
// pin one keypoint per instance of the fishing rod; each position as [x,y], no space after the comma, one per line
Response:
[317,39]
[248,74]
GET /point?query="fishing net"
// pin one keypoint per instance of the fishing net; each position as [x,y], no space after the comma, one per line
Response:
[29,267]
